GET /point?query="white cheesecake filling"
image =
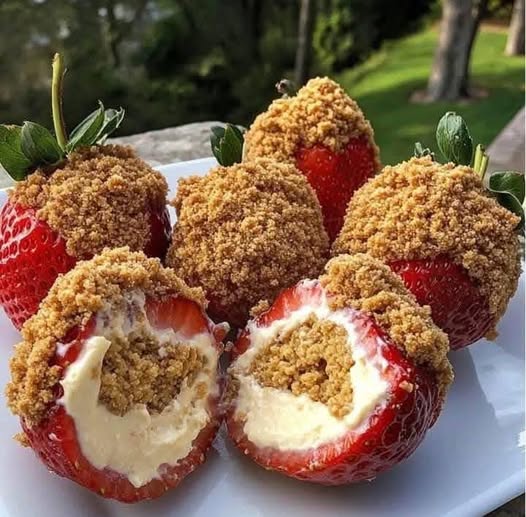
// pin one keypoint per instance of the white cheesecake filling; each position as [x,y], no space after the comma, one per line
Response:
[279,419]
[137,443]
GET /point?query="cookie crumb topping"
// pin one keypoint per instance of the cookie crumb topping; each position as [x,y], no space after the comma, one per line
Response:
[245,232]
[102,196]
[321,113]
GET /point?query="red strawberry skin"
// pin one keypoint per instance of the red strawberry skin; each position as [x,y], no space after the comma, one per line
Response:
[391,434]
[457,306]
[32,255]
[335,176]
[55,442]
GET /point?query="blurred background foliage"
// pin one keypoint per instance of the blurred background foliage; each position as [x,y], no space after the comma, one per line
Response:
[174,61]
[170,62]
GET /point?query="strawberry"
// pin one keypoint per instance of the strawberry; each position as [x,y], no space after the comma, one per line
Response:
[450,231]
[457,305]
[325,134]
[55,438]
[336,176]
[32,255]
[390,429]
[320,130]
[33,252]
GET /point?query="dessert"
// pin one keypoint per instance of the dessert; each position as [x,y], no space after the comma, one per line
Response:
[340,379]
[454,246]
[116,380]
[69,204]
[245,232]
[325,134]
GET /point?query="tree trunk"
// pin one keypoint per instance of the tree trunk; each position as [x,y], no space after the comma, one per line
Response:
[478,12]
[452,56]
[303,51]
[515,43]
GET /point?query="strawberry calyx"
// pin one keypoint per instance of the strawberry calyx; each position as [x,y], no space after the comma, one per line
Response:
[456,145]
[25,148]
[227,143]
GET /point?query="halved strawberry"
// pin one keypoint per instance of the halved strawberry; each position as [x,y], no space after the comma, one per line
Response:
[394,401]
[33,255]
[457,305]
[336,176]
[63,442]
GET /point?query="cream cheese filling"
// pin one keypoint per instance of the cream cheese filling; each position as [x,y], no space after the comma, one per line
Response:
[137,443]
[279,419]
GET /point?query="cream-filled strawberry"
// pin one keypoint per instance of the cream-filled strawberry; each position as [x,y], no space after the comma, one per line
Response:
[72,198]
[323,132]
[245,232]
[116,380]
[340,379]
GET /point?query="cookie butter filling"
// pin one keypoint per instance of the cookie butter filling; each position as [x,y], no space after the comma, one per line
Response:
[139,395]
[306,380]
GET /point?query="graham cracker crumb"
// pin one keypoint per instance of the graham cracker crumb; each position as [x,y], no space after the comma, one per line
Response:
[261,307]
[133,372]
[421,209]
[365,284]
[22,439]
[321,113]
[100,197]
[245,232]
[313,359]
[72,301]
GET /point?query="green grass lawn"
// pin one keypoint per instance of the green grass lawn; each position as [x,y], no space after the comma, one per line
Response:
[383,84]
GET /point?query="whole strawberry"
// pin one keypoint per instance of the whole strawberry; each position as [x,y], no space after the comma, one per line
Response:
[73,198]
[324,133]
[444,233]
[330,385]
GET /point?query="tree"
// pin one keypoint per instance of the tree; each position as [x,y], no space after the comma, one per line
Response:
[304,48]
[515,43]
[449,79]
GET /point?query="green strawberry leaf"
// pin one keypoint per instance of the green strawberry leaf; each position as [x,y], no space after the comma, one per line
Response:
[112,120]
[508,187]
[39,145]
[454,139]
[88,130]
[421,151]
[227,144]
[12,159]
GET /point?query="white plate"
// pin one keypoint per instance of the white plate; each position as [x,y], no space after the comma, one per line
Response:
[470,463]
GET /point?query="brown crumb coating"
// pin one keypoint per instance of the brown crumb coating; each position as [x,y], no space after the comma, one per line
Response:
[313,359]
[72,300]
[102,196]
[321,113]
[420,209]
[245,232]
[364,283]
[133,372]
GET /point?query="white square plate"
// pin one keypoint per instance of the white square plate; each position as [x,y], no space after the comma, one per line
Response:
[470,463]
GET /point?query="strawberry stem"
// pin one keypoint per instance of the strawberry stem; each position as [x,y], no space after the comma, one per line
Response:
[56,101]
[286,88]
[480,161]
